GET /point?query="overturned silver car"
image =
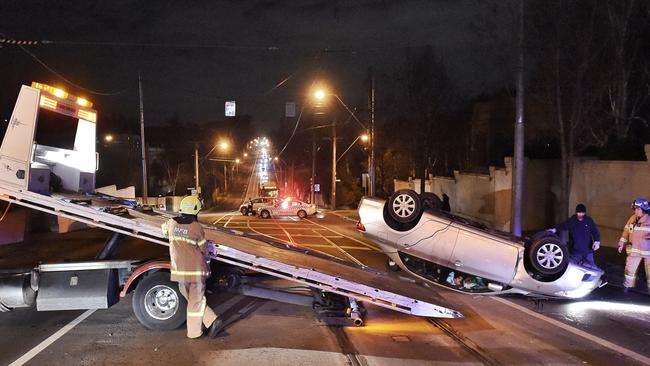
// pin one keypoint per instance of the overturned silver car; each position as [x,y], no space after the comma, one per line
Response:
[449,250]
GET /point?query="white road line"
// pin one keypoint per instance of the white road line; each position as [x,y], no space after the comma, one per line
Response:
[228,222]
[51,339]
[612,346]
[345,253]
[349,237]
[224,215]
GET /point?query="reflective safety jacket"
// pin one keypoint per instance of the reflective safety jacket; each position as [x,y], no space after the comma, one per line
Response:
[188,249]
[637,232]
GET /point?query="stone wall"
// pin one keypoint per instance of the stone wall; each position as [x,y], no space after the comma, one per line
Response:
[605,187]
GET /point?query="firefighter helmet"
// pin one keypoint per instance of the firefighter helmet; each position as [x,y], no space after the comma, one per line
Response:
[641,203]
[191,205]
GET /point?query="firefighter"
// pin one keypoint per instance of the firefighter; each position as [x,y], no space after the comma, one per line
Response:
[637,233]
[188,250]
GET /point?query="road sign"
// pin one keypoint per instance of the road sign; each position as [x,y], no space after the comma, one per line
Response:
[290,109]
[230,108]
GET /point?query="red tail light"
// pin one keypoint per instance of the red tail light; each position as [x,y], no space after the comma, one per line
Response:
[360,226]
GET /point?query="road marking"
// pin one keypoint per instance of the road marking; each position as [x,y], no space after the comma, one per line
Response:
[224,215]
[51,339]
[612,346]
[349,237]
[295,244]
[355,260]
[227,222]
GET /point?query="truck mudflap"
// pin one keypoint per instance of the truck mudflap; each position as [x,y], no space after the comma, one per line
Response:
[265,256]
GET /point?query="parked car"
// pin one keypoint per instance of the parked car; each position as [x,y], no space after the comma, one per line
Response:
[255,203]
[467,256]
[287,207]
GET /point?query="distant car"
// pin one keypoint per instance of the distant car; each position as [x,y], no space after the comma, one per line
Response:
[457,253]
[256,202]
[287,208]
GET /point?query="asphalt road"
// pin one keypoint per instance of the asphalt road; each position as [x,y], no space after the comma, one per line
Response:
[606,329]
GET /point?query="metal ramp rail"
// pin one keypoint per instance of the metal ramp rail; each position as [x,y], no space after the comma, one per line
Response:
[237,249]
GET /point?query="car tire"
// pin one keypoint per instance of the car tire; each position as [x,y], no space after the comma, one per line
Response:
[404,206]
[302,214]
[547,255]
[431,201]
[392,266]
[244,211]
[158,304]
[265,214]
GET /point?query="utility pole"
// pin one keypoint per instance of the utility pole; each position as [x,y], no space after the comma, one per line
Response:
[312,195]
[371,164]
[333,196]
[518,166]
[196,169]
[145,192]
[225,179]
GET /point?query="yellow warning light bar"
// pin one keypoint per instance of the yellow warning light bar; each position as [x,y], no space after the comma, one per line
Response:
[87,115]
[60,93]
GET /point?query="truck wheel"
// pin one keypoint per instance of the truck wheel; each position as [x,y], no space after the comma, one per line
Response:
[547,255]
[158,304]
[405,206]
[244,211]
[302,214]
[431,201]
[265,214]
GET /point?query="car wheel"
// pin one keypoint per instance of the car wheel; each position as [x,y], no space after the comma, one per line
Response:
[405,206]
[392,266]
[548,256]
[265,214]
[158,304]
[244,211]
[431,201]
[302,214]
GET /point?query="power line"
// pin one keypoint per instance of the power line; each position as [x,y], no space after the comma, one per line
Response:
[50,69]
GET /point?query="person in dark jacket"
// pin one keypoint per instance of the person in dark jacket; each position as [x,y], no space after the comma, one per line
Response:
[583,234]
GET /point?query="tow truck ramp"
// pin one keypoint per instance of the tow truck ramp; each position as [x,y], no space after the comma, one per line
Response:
[35,165]
[237,249]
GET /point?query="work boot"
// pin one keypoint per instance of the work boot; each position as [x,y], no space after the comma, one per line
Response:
[626,290]
[215,328]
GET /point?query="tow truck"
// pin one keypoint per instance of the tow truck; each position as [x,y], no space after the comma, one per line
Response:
[31,154]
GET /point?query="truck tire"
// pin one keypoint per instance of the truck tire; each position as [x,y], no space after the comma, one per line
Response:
[547,255]
[405,206]
[302,214]
[158,304]
[265,214]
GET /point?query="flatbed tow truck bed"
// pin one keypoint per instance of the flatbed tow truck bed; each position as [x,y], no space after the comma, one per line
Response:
[25,170]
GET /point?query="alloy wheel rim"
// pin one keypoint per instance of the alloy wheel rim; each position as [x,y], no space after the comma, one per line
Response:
[404,205]
[550,255]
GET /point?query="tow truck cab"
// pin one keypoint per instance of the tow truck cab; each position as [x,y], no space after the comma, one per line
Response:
[62,148]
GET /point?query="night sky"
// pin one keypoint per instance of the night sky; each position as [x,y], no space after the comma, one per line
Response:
[193,56]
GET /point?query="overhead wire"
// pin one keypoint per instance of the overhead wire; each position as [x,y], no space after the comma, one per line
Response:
[50,69]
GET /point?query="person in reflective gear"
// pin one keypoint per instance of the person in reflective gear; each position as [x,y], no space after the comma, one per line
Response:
[188,250]
[585,237]
[637,233]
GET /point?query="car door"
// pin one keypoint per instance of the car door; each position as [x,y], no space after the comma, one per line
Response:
[480,253]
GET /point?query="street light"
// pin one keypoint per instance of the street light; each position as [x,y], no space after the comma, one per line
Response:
[364,137]
[224,145]
[108,138]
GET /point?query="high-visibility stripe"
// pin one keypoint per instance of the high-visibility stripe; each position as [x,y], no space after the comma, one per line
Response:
[184,239]
[201,309]
[201,242]
[642,228]
[630,276]
[639,251]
